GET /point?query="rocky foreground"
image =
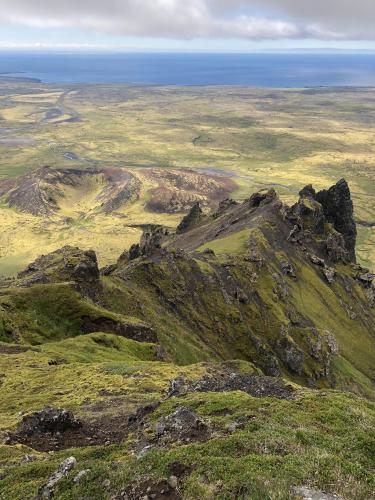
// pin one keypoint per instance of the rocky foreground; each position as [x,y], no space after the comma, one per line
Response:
[233,358]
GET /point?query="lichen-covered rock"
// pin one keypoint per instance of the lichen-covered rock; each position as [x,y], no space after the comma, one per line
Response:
[287,269]
[305,493]
[329,274]
[317,260]
[366,278]
[181,425]
[46,491]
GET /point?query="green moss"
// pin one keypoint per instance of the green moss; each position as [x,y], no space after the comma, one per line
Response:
[47,313]
[234,244]
[98,347]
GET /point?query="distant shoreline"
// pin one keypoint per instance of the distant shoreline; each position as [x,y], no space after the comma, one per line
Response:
[258,70]
[9,76]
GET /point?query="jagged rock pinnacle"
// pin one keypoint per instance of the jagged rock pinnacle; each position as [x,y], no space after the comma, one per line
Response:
[338,210]
[191,219]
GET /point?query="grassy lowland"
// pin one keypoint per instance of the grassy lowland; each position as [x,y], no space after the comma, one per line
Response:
[258,138]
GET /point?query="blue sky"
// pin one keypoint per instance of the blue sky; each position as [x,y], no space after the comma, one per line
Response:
[209,25]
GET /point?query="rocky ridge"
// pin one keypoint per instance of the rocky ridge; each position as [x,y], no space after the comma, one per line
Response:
[238,302]
[190,367]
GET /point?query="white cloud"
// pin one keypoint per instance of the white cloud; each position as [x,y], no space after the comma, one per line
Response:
[186,19]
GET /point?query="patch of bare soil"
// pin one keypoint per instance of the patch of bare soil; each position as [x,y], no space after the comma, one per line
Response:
[178,190]
[57,429]
[257,386]
[147,489]
[223,379]
[15,349]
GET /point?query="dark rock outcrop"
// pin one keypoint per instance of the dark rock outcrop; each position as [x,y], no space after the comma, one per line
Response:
[329,214]
[65,264]
[290,354]
[192,219]
[134,251]
[151,240]
[338,210]
[140,332]
[224,206]
[256,386]
[262,198]
[309,212]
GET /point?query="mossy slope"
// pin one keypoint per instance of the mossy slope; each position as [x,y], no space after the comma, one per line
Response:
[240,285]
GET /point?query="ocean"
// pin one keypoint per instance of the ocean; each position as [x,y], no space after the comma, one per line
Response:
[259,70]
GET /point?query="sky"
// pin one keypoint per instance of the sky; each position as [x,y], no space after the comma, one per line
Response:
[187,25]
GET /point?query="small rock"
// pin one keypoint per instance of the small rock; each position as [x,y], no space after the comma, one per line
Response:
[183,424]
[305,493]
[175,386]
[106,483]
[47,490]
[144,451]
[366,279]
[317,260]
[80,475]
[294,234]
[330,274]
[287,269]
[27,458]
[173,482]
[232,427]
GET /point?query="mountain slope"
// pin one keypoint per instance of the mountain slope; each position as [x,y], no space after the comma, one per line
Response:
[191,367]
